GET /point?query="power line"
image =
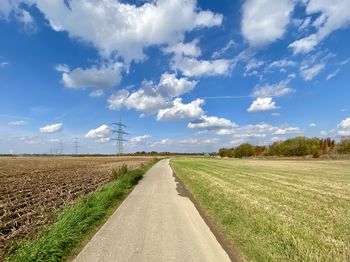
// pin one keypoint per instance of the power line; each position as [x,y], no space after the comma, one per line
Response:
[119,131]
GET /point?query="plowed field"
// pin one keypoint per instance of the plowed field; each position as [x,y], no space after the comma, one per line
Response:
[33,188]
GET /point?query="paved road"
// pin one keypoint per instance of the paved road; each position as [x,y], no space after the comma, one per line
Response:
[154,223]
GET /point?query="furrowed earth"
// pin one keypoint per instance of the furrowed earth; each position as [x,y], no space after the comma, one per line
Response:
[33,189]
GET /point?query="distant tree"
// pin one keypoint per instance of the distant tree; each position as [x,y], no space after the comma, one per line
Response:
[244,150]
[343,146]
[259,150]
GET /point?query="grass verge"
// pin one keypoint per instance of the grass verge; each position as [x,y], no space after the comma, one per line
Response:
[75,223]
[275,210]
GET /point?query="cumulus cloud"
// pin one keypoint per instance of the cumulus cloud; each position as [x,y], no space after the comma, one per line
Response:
[49,129]
[134,141]
[101,134]
[181,111]
[194,67]
[187,49]
[330,18]
[211,123]
[262,104]
[312,125]
[265,21]
[259,133]
[186,60]
[126,29]
[104,76]
[17,123]
[13,8]
[152,97]
[343,128]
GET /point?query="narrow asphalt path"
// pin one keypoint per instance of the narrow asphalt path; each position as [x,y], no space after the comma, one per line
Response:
[154,223]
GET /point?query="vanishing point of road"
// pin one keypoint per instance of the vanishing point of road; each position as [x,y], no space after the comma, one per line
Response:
[154,223]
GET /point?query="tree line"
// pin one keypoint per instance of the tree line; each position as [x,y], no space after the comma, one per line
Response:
[298,146]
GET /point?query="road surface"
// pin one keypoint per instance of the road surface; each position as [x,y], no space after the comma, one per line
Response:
[154,223]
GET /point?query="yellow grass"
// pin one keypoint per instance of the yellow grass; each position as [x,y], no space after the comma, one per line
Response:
[276,209]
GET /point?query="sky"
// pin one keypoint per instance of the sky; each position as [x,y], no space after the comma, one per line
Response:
[182,75]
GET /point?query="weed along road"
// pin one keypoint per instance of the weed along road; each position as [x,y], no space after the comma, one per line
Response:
[154,223]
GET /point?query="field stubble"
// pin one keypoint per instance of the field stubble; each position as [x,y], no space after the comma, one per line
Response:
[276,209]
[32,189]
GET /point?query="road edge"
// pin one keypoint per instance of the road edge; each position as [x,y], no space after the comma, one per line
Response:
[230,250]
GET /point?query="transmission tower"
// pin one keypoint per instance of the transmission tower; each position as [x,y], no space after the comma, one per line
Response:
[76,145]
[61,148]
[119,131]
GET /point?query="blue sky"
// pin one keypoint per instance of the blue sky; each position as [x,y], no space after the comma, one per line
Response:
[183,75]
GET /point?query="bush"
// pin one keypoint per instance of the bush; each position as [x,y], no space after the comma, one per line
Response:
[344,146]
[298,146]
[244,150]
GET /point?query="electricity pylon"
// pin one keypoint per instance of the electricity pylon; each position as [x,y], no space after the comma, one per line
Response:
[119,131]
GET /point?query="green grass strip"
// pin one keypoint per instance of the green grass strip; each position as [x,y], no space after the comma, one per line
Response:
[75,223]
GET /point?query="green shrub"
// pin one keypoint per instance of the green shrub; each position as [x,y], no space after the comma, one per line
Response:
[298,146]
[244,150]
[343,147]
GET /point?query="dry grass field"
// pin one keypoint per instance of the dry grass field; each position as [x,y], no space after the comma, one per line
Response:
[32,189]
[275,210]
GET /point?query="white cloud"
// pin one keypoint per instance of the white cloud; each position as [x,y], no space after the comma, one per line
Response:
[343,128]
[193,67]
[13,7]
[323,133]
[134,141]
[287,130]
[253,64]
[101,134]
[187,49]
[17,123]
[262,132]
[312,125]
[180,111]
[265,21]
[163,142]
[211,123]
[223,50]
[150,97]
[330,76]
[332,16]
[308,73]
[275,90]
[126,29]
[49,129]
[262,104]
[283,63]
[104,76]
[97,93]
[62,68]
